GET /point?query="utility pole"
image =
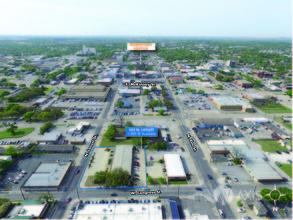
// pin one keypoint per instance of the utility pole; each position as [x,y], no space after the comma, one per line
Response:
[178,189]
[22,194]
[77,194]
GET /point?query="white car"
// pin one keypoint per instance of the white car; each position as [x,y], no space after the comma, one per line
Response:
[241,210]
[178,136]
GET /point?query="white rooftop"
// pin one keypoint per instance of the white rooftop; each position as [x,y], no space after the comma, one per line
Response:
[174,165]
[27,210]
[151,211]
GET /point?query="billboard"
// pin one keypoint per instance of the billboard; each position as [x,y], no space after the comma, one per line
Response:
[141,46]
[141,132]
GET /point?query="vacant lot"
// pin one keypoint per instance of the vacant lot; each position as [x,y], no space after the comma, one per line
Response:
[18,133]
[275,108]
[270,146]
[287,168]
[285,124]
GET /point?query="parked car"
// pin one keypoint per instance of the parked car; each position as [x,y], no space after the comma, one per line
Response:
[241,210]
[77,171]
[222,214]
[279,152]
[198,188]
[114,194]
[210,177]
[68,199]
[278,163]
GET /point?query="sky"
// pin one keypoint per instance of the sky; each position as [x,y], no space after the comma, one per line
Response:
[201,18]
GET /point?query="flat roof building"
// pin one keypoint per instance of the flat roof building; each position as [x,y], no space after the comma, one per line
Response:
[47,176]
[96,92]
[123,158]
[121,211]
[231,103]
[129,92]
[174,167]
[28,209]
[57,148]
[50,138]
[244,83]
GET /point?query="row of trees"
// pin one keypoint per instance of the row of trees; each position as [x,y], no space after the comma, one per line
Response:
[43,115]
[5,205]
[47,125]
[26,95]
[156,103]
[61,92]
[111,132]
[9,85]
[12,110]
[157,146]
[116,177]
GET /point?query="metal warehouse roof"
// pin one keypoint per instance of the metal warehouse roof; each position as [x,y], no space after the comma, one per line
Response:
[174,165]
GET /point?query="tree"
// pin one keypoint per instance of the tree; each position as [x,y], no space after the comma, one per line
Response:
[4,208]
[119,103]
[111,132]
[168,104]
[46,127]
[80,77]
[289,92]
[156,146]
[161,161]
[161,111]
[11,128]
[257,83]
[219,86]
[154,88]
[10,151]
[237,152]
[28,116]
[163,146]
[265,194]
[191,90]
[22,85]
[164,93]
[100,177]
[201,91]
[46,196]
[128,124]
[151,180]
[162,87]
[219,77]
[61,92]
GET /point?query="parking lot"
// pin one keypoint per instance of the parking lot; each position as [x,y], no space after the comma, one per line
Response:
[29,164]
[195,102]
[282,158]
[139,172]
[134,109]
[233,171]
[81,104]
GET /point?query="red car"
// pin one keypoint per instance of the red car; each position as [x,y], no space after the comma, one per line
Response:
[77,171]
[68,199]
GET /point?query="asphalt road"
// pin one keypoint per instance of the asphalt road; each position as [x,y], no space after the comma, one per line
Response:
[61,206]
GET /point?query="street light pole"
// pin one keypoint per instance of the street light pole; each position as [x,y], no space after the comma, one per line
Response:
[77,194]
[22,194]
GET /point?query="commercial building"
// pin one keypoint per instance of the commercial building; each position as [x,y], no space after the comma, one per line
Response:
[72,81]
[121,211]
[272,88]
[80,127]
[244,83]
[28,209]
[105,81]
[60,76]
[156,109]
[77,141]
[5,158]
[49,148]
[174,167]
[86,50]
[111,73]
[47,176]
[234,132]
[129,92]
[50,138]
[176,80]
[123,158]
[91,93]
[230,103]
[262,74]
[231,63]
[225,146]
[212,123]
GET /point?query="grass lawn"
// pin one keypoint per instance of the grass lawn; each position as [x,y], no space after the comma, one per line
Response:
[274,108]
[89,181]
[285,124]
[64,125]
[148,114]
[270,145]
[49,89]
[18,133]
[105,142]
[164,114]
[179,182]
[287,168]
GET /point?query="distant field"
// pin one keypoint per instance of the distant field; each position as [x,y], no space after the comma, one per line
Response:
[49,89]
[18,133]
[270,145]
[275,108]
[285,124]
[287,168]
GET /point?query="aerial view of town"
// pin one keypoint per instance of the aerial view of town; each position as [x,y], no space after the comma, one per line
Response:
[101,121]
